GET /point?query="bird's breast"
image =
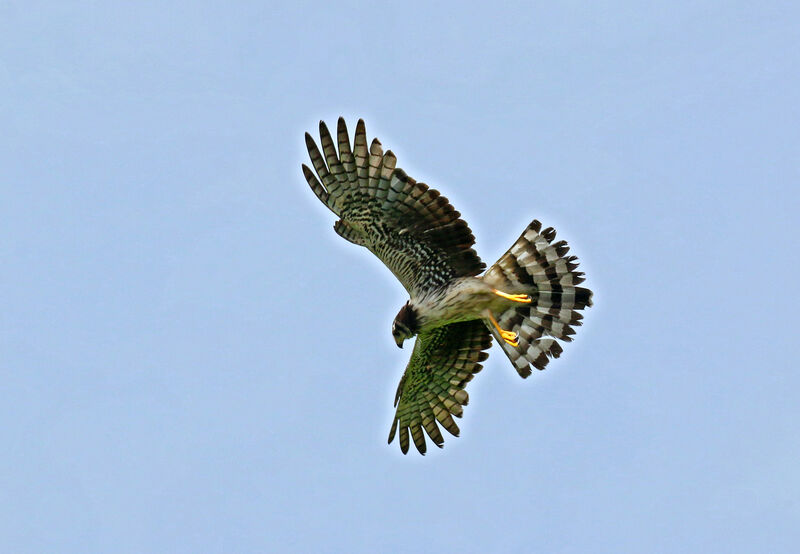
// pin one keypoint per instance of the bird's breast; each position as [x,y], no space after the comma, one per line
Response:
[462,300]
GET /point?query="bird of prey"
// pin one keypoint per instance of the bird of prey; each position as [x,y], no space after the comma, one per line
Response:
[526,300]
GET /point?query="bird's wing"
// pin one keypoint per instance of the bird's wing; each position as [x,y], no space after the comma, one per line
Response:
[409,226]
[444,360]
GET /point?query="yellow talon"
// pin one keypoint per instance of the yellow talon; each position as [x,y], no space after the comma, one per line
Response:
[521,298]
[510,337]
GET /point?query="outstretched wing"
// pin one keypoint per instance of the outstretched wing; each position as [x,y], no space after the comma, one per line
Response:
[410,227]
[444,360]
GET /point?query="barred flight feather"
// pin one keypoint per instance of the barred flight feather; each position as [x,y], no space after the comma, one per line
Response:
[389,213]
[443,362]
[537,266]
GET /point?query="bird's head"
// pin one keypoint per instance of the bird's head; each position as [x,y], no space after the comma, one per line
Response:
[404,325]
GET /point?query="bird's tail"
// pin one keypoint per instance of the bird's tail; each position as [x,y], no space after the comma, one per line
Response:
[539,267]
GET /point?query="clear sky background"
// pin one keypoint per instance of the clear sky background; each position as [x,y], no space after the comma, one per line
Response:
[192,361]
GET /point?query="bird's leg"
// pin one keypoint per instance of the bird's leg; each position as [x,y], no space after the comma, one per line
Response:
[521,298]
[510,337]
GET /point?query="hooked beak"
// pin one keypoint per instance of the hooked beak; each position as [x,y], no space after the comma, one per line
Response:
[399,342]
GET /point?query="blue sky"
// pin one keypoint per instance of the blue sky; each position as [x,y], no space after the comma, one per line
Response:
[192,361]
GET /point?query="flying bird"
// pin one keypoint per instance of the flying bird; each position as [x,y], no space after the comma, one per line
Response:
[526,300]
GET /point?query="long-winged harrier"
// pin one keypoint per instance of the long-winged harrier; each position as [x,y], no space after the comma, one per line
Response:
[526,300]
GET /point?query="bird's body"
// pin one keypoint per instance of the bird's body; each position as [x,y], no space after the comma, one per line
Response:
[526,300]
[464,299]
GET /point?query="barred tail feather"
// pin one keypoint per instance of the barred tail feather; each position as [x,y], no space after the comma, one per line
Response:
[537,266]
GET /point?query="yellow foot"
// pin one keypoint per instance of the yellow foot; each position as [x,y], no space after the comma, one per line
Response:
[521,298]
[510,337]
